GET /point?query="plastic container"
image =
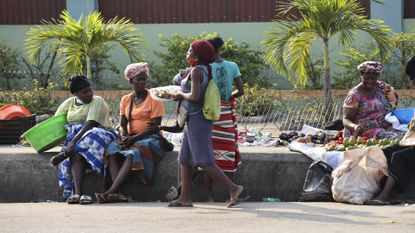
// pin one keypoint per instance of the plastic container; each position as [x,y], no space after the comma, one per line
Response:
[47,134]
[10,130]
[13,112]
[404,115]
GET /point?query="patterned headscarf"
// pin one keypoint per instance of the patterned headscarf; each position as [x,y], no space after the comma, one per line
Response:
[134,69]
[205,51]
[370,67]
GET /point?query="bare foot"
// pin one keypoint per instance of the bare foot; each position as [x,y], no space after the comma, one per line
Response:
[235,194]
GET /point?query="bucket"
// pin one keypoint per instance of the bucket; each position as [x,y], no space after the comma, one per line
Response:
[47,134]
[13,112]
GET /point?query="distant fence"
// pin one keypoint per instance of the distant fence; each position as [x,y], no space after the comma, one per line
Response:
[290,111]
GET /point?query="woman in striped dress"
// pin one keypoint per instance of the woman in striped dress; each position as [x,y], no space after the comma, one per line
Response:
[226,74]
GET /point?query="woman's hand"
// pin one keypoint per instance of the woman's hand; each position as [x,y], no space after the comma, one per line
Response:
[128,141]
[155,126]
[178,96]
[70,149]
[358,129]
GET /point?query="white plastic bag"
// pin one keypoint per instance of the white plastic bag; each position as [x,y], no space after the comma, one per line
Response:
[357,179]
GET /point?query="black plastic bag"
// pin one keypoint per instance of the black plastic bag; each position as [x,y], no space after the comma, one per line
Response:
[317,184]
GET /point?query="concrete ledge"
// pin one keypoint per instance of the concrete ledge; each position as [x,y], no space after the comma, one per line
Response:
[26,176]
[265,172]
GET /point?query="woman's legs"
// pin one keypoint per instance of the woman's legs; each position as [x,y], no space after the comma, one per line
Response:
[121,175]
[401,162]
[186,179]
[386,191]
[217,174]
[114,166]
[78,164]
[208,182]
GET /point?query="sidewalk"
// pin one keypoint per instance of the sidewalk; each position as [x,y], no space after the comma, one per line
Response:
[206,217]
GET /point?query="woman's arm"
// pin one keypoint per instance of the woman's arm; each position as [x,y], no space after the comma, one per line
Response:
[87,126]
[349,114]
[130,140]
[239,88]
[124,126]
[194,94]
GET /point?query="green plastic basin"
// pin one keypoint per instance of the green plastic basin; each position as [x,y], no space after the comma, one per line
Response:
[47,134]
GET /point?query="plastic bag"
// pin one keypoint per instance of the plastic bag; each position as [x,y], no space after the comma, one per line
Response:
[404,115]
[211,102]
[164,93]
[317,184]
[358,178]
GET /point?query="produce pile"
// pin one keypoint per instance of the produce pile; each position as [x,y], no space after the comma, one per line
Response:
[336,142]
[352,142]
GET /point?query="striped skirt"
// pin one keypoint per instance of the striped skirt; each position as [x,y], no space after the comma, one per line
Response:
[224,138]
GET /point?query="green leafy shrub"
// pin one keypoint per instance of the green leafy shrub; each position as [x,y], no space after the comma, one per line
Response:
[393,67]
[256,101]
[174,58]
[39,100]
[8,62]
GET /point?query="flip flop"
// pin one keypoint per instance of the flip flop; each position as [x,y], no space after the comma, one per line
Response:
[172,194]
[116,197]
[376,202]
[178,204]
[233,203]
[74,199]
[101,198]
[85,199]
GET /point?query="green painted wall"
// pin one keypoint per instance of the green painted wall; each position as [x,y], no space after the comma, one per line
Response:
[252,33]
[408,25]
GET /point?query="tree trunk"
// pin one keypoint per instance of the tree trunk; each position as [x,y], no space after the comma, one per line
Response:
[88,67]
[328,101]
[326,73]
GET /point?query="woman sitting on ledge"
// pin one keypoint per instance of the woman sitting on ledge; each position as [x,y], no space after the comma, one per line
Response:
[88,134]
[141,147]
[401,158]
[367,104]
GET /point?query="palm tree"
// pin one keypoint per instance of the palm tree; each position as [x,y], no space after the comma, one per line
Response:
[287,43]
[76,40]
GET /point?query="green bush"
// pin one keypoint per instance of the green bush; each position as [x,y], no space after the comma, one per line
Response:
[174,58]
[38,101]
[393,68]
[256,101]
[8,62]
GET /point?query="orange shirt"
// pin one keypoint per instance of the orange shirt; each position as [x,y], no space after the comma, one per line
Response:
[141,113]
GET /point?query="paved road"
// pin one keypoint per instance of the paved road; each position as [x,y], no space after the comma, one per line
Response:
[206,217]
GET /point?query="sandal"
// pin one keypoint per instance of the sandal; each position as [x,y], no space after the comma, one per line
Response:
[85,199]
[172,194]
[74,199]
[116,197]
[101,198]
[178,204]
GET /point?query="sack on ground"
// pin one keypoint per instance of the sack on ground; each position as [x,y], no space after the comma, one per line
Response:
[211,102]
[317,184]
[358,178]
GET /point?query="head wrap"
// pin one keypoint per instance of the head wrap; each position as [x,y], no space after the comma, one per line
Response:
[135,69]
[205,52]
[78,83]
[370,67]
